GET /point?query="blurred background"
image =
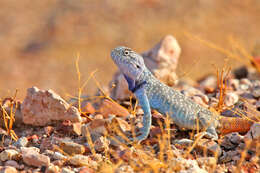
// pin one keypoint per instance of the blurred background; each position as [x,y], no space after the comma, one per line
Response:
[39,40]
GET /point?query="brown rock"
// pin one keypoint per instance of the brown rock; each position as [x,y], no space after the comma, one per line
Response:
[108,107]
[12,163]
[209,146]
[33,158]
[254,132]
[9,154]
[79,160]
[7,169]
[42,107]
[164,54]
[71,148]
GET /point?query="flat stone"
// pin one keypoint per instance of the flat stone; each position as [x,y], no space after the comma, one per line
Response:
[71,148]
[21,142]
[108,107]
[79,160]
[12,163]
[254,132]
[210,146]
[7,169]
[42,107]
[33,158]
[9,154]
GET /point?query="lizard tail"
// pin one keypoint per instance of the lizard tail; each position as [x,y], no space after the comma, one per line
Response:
[234,124]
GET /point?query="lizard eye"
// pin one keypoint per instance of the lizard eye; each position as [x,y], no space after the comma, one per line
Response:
[126,52]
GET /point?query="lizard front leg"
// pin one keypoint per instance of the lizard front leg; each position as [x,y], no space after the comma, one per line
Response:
[147,119]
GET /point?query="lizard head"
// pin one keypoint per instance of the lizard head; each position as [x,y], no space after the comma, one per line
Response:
[130,63]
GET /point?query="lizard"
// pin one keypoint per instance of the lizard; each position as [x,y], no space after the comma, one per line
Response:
[184,112]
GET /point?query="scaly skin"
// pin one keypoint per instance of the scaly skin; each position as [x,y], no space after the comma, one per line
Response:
[150,92]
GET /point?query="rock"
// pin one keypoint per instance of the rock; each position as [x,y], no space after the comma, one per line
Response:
[209,162]
[231,141]
[32,157]
[246,81]
[108,107]
[184,165]
[59,156]
[96,128]
[85,169]
[7,169]
[79,160]
[12,163]
[52,169]
[164,54]
[120,87]
[166,76]
[21,142]
[231,98]
[66,170]
[210,146]
[48,130]
[42,107]
[9,154]
[124,168]
[241,72]
[101,144]
[256,92]
[229,156]
[234,83]
[209,82]
[199,100]
[71,148]
[254,132]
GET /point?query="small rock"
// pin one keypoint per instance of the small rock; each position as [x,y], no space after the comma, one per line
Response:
[52,169]
[199,100]
[96,128]
[66,170]
[164,54]
[108,107]
[209,82]
[71,148]
[229,156]
[246,82]
[33,158]
[234,83]
[188,165]
[210,146]
[12,163]
[88,108]
[254,132]
[101,144]
[207,161]
[59,156]
[79,160]
[256,92]
[9,154]
[7,169]
[231,98]
[21,142]
[241,72]
[48,130]
[41,107]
